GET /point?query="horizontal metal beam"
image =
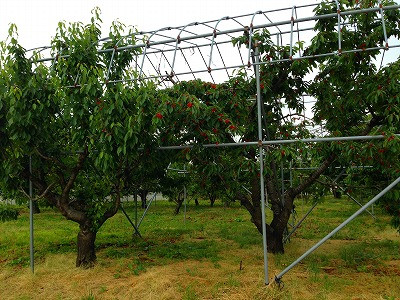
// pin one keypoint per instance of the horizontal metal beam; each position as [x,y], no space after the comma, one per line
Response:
[282,142]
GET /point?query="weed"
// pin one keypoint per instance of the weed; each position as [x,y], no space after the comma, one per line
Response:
[90,296]
[233,282]
[190,293]
[186,250]
[357,255]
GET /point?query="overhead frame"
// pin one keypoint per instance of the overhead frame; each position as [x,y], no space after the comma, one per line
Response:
[189,38]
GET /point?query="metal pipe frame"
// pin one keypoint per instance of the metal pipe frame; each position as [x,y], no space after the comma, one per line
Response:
[145,211]
[261,143]
[280,142]
[31,245]
[262,187]
[328,236]
[334,182]
[179,39]
[260,63]
[300,222]
[130,221]
[354,199]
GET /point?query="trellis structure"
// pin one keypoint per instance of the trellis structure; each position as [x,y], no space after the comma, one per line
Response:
[204,50]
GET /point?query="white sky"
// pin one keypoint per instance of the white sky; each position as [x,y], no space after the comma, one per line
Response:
[37,19]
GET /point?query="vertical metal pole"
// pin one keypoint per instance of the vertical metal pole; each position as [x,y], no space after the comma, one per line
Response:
[260,148]
[282,184]
[31,217]
[184,197]
[135,197]
[338,28]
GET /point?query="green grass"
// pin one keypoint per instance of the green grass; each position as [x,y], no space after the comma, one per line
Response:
[206,236]
[167,237]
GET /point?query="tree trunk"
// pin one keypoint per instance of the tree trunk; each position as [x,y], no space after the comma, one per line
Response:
[196,201]
[35,206]
[212,199]
[143,197]
[274,232]
[274,237]
[179,203]
[86,251]
[281,215]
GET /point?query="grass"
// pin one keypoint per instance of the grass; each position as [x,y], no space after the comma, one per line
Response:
[216,253]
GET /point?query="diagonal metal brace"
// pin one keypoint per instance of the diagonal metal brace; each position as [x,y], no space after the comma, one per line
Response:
[130,221]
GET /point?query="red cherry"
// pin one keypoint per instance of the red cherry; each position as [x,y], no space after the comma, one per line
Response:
[159,116]
[190,104]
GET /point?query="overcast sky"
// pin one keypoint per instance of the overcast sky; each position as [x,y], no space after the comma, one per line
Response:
[37,19]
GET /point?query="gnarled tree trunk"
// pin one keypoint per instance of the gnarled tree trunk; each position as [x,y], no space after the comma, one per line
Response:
[179,203]
[212,199]
[281,208]
[86,250]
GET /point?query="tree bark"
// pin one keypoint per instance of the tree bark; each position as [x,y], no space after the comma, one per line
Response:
[35,206]
[281,214]
[275,230]
[179,203]
[212,199]
[86,251]
[143,197]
